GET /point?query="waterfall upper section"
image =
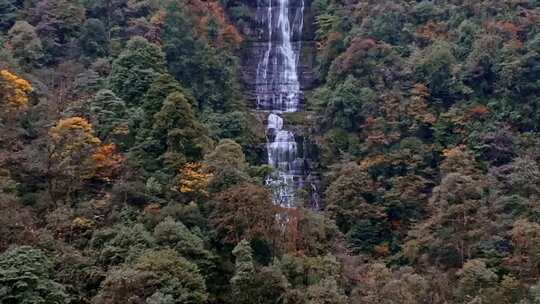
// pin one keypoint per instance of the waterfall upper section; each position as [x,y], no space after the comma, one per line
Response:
[277,86]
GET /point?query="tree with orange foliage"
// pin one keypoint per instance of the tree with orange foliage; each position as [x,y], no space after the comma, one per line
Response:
[245,211]
[105,163]
[13,91]
[526,240]
[211,24]
[417,106]
[230,36]
[306,232]
[431,31]
[77,155]
[71,135]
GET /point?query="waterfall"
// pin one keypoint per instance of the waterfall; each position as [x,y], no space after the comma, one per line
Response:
[283,158]
[278,91]
[277,84]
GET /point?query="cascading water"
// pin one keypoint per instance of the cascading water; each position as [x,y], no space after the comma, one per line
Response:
[283,157]
[277,84]
[278,91]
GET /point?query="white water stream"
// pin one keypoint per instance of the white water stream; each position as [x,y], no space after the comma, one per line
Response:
[278,91]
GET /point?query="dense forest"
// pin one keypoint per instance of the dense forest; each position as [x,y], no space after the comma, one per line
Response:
[132,164]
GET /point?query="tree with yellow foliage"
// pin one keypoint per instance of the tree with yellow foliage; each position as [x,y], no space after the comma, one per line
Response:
[193,180]
[71,144]
[13,91]
[71,135]
[13,101]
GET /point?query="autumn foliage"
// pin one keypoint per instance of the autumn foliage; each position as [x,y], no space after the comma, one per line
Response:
[192,178]
[14,90]
[106,162]
[209,19]
[77,155]
[71,135]
[245,211]
[133,165]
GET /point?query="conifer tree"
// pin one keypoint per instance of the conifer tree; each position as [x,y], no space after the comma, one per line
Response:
[134,71]
[244,273]
[26,277]
[25,44]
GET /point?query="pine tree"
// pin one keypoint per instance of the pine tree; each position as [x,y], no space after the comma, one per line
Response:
[8,14]
[93,38]
[108,114]
[26,277]
[244,274]
[134,71]
[25,44]
[176,126]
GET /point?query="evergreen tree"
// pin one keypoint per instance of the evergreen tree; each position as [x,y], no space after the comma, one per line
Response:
[8,14]
[121,243]
[177,236]
[135,69]
[348,197]
[58,23]
[26,277]
[344,108]
[177,129]
[157,276]
[108,114]
[177,276]
[244,274]
[207,71]
[228,164]
[25,43]
[435,69]
[154,98]
[93,38]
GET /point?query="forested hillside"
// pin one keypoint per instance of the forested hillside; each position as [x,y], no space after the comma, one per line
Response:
[133,165]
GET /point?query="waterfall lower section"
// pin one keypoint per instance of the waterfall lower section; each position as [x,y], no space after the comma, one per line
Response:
[282,151]
[276,89]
